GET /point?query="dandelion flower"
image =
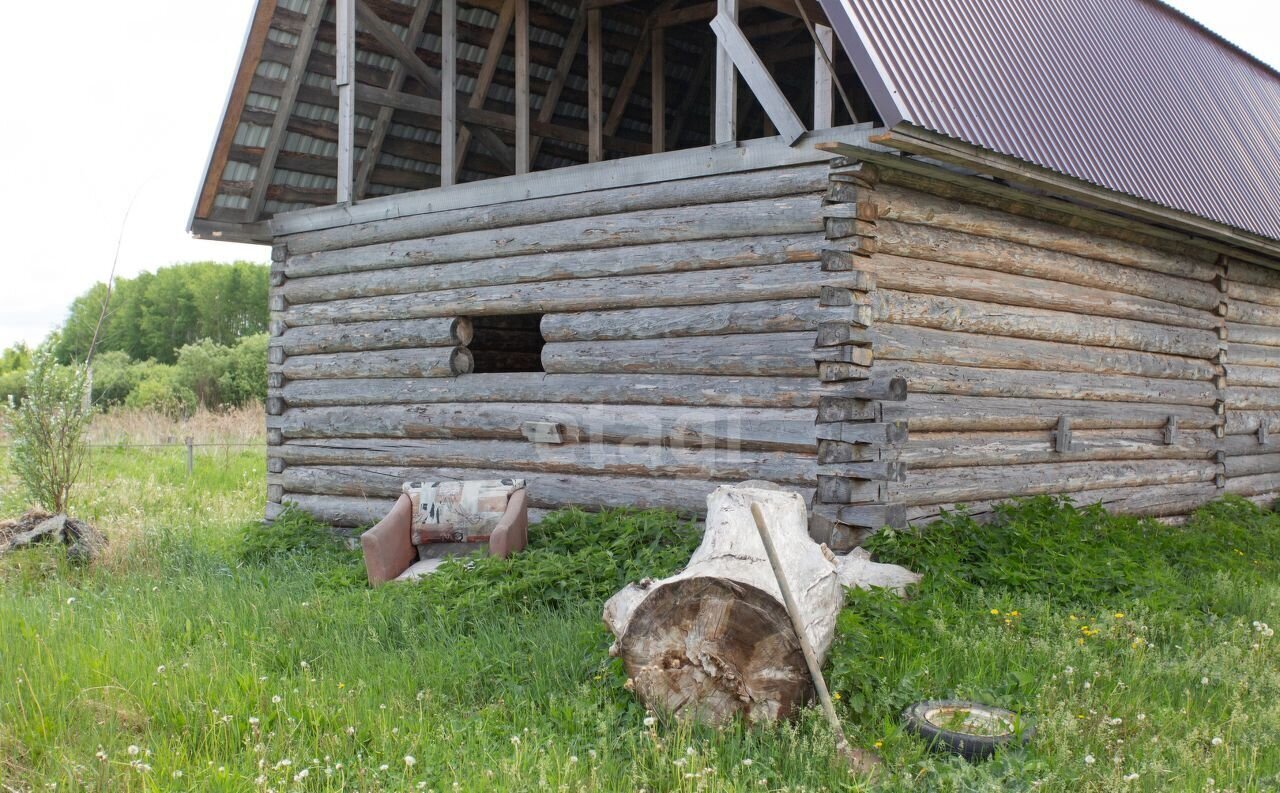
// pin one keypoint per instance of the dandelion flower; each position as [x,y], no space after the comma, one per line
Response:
[1131,777]
[133,750]
[747,761]
[410,760]
[253,721]
[1217,741]
[573,758]
[515,740]
[276,700]
[995,611]
[1204,681]
[301,775]
[878,744]
[649,721]
[384,767]
[160,669]
[1069,671]
[70,601]
[1119,615]
[1089,759]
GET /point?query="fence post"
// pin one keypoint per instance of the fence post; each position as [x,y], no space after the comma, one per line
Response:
[191,461]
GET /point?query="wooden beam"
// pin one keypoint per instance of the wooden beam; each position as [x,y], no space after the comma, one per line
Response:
[430,78]
[345,82]
[725,115]
[522,86]
[563,67]
[823,107]
[634,65]
[595,87]
[488,118]
[488,67]
[275,138]
[382,123]
[762,84]
[657,90]
[706,10]
[449,95]
[255,40]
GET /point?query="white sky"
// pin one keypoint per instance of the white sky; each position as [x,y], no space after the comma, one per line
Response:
[109,100]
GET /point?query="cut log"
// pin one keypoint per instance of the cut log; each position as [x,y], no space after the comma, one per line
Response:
[82,540]
[715,641]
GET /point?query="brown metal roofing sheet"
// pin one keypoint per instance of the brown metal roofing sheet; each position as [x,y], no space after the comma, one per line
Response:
[1126,94]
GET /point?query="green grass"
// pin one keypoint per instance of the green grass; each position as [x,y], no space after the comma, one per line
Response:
[219,655]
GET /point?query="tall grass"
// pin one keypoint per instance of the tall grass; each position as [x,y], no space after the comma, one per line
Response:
[185,663]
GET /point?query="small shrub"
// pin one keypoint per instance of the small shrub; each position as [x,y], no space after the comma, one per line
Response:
[161,390]
[47,431]
[293,533]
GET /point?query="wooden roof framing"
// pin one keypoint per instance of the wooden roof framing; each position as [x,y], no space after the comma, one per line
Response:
[276,147]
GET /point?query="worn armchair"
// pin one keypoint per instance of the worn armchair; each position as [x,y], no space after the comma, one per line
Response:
[436,520]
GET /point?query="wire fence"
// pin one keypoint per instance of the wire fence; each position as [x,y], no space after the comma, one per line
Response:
[189,444]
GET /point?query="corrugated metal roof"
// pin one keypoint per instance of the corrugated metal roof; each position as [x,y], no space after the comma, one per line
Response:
[1129,95]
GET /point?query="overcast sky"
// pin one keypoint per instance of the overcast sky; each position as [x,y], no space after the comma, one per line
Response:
[108,101]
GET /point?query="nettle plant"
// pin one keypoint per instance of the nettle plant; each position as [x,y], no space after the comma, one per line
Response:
[47,430]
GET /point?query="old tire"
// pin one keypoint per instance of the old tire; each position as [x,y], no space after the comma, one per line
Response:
[932,721]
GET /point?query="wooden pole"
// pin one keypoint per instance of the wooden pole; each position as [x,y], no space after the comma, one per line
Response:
[448,93]
[860,760]
[595,87]
[726,96]
[658,90]
[522,86]
[823,107]
[191,456]
[345,80]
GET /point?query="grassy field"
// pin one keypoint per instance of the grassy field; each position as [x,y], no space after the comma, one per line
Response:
[198,657]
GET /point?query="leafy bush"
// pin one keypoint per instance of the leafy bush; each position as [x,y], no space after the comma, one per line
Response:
[14,363]
[47,430]
[293,533]
[161,389]
[224,376]
[115,376]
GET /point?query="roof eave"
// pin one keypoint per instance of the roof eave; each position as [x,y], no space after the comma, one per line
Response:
[913,139]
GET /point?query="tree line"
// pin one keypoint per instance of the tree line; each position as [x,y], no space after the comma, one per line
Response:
[185,335]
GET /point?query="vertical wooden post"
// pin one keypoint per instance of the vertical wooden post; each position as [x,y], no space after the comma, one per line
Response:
[823,108]
[595,87]
[345,80]
[191,456]
[522,86]
[448,92]
[658,89]
[726,99]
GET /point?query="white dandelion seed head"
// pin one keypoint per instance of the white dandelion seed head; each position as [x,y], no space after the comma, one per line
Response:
[649,721]
[1217,741]
[1089,759]
[133,750]
[410,760]
[747,761]
[1131,777]
[276,700]
[515,740]
[573,758]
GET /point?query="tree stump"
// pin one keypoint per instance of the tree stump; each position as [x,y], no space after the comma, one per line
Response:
[82,540]
[714,640]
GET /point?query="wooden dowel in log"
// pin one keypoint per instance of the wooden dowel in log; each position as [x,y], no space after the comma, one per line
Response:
[859,759]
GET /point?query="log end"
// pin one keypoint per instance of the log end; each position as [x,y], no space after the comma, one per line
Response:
[460,361]
[710,649]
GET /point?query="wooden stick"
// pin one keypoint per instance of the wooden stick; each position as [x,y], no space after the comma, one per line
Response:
[858,759]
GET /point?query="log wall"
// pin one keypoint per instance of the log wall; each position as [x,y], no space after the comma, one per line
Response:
[1047,354]
[679,322]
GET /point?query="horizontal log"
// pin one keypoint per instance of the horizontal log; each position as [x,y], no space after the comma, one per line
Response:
[902,204]
[546,491]
[764,354]
[1147,500]
[702,190]
[1254,274]
[926,345]
[605,262]
[1254,464]
[971,316]
[875,433]
[716,319]
[1253,313]
[1246,422]
[907,274]
[925,450]
[709,391]
[870,516]
[737,285]
[1252,375]
[788,215]
[1253,355]
[571,458]
[986,483]
[428,362]
[928,378]
[736,428]
[946,413]
[953,247]
[1263,295]
[1095,223]
[1256,485]
[386,335]
[1245,398]
[1235,445]
[1253,334]
[845,490]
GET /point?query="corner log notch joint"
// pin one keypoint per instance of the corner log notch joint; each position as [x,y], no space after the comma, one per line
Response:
[857,449]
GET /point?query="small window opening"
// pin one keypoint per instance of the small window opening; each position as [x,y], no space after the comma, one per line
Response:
[507,344]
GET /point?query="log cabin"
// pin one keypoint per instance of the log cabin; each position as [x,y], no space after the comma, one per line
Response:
[895,256]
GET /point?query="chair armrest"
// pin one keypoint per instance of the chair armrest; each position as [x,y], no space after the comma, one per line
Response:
[511,535]
[388,549]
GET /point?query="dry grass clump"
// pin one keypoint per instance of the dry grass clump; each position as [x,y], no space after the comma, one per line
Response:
[128,426]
